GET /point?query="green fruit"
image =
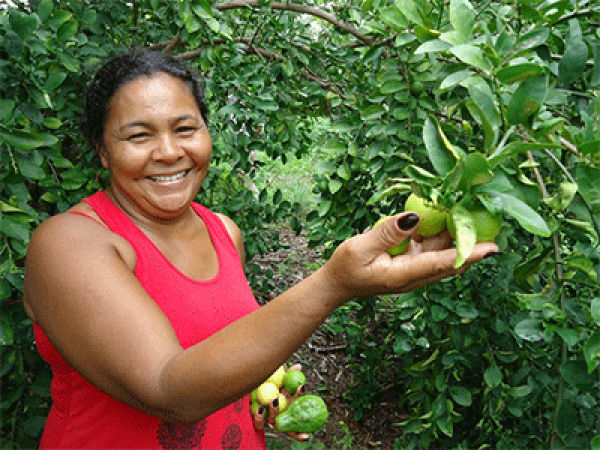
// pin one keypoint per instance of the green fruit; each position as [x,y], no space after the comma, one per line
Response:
[431,220]
[396,249]
[306,414]
[293,379]
[277,377]
[254,407]
[487,226]
[266,393]
[253,395]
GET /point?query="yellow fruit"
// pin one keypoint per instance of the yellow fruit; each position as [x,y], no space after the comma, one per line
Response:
[266,393]
[277,377]
[431,220]
[283,404]
[397,249]
[487,226]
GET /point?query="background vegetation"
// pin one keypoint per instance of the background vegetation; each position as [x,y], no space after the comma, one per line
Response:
[494,100]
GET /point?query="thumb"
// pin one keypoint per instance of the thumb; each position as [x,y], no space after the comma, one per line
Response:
[393,230]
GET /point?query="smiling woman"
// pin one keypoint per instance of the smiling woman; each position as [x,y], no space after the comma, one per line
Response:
[144,313]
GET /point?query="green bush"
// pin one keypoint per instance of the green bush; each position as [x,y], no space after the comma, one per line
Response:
[494,101]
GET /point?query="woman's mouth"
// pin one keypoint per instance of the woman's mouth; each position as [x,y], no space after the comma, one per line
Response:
[169,178]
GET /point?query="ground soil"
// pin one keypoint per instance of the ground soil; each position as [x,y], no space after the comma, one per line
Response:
[325,362]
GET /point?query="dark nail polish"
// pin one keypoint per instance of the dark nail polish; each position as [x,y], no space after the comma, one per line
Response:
[408,221]
[488,254]
[275,403]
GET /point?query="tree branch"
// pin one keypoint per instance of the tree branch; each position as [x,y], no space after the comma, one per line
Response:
[304,9]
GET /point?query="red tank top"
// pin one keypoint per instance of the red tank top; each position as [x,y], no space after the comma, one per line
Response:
[83,417]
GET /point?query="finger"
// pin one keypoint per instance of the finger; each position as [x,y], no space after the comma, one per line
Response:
[439,241]
[297,366]
[301,437]
[259,418]
[273,411]
[428,267]
[299,392]
[391,232]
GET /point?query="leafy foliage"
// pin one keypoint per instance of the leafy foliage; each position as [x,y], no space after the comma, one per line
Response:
[493,102]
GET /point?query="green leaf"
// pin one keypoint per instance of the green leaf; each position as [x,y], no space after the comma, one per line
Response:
[410,10]
[6,332]
[476,171]
[566,418]
[563,198]
[445,424]
[25,140]
[393,18]
[6,108]
[519,72]
[67,30]
[435,45]
[530,330]
[462,17]
[471,55]
[441,153]
[421,176]
[466,234]
[516,148]
[528,218]
[595,309]
[58,18]
[392,86]
[489,115]
[576,375]
[45,10]
[455,78]
[492,376]
[461,395]
[70,62]
[14,228]
[373,112]
[527,100]
[21,23]
[591,352]
[572,63]
[531,39]
[54,80]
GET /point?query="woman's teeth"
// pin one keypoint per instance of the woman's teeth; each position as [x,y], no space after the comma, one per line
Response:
[169,178]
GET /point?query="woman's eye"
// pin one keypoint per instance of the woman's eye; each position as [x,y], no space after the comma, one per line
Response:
[138,136]
[186,130]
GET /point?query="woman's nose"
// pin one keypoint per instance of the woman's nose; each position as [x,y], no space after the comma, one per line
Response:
[168,148]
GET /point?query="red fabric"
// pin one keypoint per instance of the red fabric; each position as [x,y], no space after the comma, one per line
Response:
[83,417]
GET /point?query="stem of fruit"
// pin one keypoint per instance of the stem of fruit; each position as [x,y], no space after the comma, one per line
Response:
[559,277]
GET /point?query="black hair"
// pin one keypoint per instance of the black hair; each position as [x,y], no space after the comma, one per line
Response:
[122,69]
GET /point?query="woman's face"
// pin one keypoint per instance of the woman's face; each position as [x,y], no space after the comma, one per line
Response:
[156,146]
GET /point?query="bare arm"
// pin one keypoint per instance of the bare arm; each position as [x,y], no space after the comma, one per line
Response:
[96,313]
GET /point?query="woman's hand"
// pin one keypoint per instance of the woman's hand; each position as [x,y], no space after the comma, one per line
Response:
[265,415]
[361,266]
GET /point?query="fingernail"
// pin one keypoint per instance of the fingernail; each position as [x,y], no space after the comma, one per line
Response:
[260,411]
[275,403]
[408,221]
[490,253]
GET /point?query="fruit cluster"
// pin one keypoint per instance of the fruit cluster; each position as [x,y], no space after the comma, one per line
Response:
[433,220]
[295,412]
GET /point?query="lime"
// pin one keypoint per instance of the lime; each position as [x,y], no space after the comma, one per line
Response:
[253,395]
[306,414]
[277,377]
[396,249]
[293,379]
[487,225]
[431,219]
[266,393]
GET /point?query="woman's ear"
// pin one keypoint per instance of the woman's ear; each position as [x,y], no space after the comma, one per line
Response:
[102,153]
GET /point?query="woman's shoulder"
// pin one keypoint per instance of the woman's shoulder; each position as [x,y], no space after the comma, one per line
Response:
[80,228]
[235,233]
